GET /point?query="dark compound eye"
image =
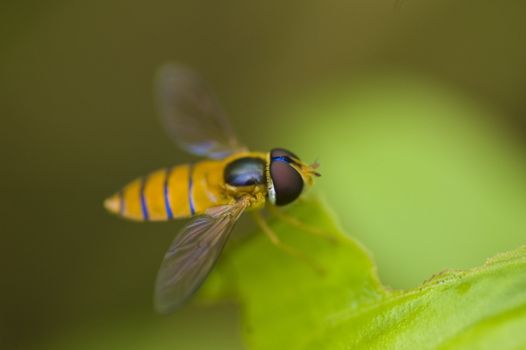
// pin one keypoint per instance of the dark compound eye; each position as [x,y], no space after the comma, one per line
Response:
[288,183]
[281,152]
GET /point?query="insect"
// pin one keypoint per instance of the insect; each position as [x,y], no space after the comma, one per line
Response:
[213,192]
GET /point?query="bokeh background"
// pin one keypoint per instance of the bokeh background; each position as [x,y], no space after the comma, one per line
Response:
[415,110]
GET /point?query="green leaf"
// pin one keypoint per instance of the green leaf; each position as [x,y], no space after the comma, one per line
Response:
[286,304]
[415,168]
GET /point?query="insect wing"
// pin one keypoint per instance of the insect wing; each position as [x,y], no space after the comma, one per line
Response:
[191,114]
[192,255]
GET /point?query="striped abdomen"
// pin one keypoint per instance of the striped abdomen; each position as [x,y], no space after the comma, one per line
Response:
[171,193]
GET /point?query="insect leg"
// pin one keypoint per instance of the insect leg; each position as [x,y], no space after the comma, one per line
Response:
[293,221]
[274,239]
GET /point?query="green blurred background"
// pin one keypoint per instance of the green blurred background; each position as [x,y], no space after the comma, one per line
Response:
[416,112]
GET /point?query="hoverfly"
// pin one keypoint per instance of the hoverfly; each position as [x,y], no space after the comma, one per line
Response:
[214,192]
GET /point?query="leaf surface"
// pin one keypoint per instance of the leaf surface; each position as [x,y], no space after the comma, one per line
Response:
[286,304]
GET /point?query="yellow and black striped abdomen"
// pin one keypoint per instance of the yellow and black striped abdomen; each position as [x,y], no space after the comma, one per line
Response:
[171,193]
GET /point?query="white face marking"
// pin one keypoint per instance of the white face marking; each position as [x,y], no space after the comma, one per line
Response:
[270,185]
[271,192]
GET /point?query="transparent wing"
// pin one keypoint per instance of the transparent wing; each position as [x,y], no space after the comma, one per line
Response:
[191,115]
[192,255]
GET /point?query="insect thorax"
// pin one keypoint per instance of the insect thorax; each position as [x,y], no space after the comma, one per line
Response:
[245,171]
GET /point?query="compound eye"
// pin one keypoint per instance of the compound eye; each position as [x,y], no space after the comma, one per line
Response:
[282,152]
[287,181]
